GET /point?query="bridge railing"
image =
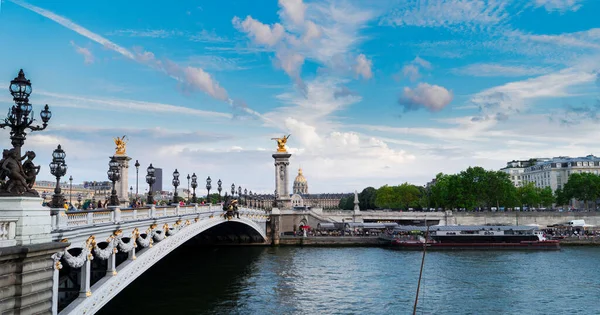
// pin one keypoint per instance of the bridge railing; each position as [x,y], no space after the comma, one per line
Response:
[62,219]
[8,232]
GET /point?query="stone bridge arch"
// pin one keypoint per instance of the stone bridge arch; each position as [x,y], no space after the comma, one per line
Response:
[161,245]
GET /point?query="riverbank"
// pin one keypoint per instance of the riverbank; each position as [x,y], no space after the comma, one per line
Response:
[373,241]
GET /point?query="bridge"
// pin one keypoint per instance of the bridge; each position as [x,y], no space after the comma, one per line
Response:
[102,251]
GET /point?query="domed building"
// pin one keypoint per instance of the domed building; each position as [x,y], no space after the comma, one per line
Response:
[300,184]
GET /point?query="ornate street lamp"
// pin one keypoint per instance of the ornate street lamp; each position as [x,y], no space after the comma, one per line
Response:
[175,184]
[208,187]
[19,119]
[58,168]
[150,179]
[188,198]
[137,177]
[232,190]
[250,196]
[240,193]
[131,192]
[245,196]
[113,175]
[79,198]
[70,190]
[219,188]
[194,185]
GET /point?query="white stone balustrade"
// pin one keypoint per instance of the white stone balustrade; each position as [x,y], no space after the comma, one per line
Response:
[7,232]
[79,219]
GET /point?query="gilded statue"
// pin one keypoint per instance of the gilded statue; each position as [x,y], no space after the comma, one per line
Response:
[120,143]
[281,143]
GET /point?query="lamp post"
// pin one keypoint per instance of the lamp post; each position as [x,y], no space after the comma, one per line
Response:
[131,192]
[245,196]
[137,177]
[194,185]
[175,184]
[219,188]
[250,196]
[188,198]
[70,189]
[58,168]
[208,187]
[232,190]
[240,193]
[150,179]
[20,118]
[113,176]
[79,198]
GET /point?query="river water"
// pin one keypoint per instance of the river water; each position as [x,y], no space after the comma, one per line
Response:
[305,280]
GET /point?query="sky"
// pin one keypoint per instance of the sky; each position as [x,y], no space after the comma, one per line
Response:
[372,92]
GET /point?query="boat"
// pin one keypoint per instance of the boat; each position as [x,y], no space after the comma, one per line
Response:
[476,237]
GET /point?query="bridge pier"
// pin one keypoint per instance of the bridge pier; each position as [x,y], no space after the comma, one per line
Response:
[274,226]
[84,279]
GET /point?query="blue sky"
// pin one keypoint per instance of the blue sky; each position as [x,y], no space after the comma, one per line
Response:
[372,94]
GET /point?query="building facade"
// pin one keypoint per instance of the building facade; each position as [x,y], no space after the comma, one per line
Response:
[158,185]
[516,168]
[555,172]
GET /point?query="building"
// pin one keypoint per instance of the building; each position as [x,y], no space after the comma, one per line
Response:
[515,169]
[302,199]
[158,185]
[555,172]
[46,189]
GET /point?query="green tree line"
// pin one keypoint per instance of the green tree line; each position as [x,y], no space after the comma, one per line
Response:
[474,188]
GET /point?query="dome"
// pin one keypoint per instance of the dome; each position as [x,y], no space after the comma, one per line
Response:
[300,184]
[300,178]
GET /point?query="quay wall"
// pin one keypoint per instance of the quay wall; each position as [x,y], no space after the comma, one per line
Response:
[329,241]
[521,218]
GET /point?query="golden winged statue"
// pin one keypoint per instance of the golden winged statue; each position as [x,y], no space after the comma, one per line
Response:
[120,143]
[281,143]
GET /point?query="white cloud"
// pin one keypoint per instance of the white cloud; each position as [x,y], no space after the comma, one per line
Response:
[559,5]
[261,33]
[325,33]
[114,104]
[412,70]
[452,14]
[432,97]
[363,67]
[88,57]
[514,97]
[198,78]
[498,70]
[293,10]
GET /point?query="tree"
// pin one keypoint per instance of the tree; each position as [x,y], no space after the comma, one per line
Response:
[366,198]
[561,197]
[546,197]
[408,195]
[583,186]
[387,198]
[528,195]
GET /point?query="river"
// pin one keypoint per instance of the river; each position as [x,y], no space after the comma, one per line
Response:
[305,280]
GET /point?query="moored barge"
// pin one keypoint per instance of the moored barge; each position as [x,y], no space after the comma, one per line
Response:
[469,237]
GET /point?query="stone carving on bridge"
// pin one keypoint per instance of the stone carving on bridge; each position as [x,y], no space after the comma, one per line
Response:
[281,143]
[15,178]
[121,145]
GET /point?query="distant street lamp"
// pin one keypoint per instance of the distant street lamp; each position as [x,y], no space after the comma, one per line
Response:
[240,193]
[79,198]
[250,195]
[150,179]
[175,184]
[58,168]
[137,177]
[194,185]
[232,190]
[70,189]
[188,191]
[245,196]
[113,176]
[208,187]
[131,192]
[219,188]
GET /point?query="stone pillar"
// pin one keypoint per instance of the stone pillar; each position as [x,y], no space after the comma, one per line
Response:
[282,160]
[356,217]
[84,278]
[275,219]
[33,221]
[27,274]
[122,185]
